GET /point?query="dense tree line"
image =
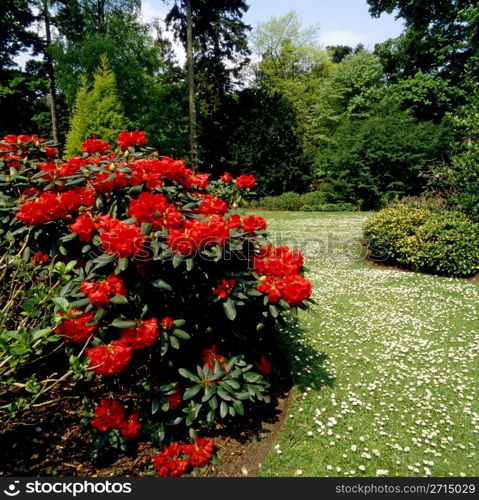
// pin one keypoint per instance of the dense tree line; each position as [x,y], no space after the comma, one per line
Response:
[362,126]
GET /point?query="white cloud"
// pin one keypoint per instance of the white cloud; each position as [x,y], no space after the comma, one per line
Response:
[345,37]
[149,12]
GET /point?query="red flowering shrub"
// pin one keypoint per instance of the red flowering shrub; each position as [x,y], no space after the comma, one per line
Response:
[171,298]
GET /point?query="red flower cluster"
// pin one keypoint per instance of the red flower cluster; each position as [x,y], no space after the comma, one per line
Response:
[169,463]
[39,258]
[94,145]
[213,206]
[84,227]
[263,365]
[144,335]
[52,171]
[18,140]
[224,288]
[110,414]
[76,329]
[130,427]
[109,359]
[153,173]
[200,452]
[99,293]
[175,399]
[277,261]
[249,224]
[118,238]
[175,459]
[107,181]
[246,181]
[293,289]
[281,279]
[49,206]
[210,356]
[252,224]
[200,181]
[196,235]
[155,209]
[131,139]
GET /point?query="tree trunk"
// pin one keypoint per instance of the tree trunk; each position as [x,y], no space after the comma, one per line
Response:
[191,85]
[51,75]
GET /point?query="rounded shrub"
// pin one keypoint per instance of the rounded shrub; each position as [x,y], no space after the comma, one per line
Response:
[438,241]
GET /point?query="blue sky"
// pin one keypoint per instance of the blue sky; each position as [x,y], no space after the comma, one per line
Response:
[340,22]
[345,22]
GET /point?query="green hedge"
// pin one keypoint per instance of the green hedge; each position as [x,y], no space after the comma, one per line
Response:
[315,201]
[437,241]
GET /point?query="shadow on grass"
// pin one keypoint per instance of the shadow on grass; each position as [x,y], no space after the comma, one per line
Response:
[305,364]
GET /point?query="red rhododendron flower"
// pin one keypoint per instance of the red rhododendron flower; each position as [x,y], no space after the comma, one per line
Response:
[150,208]
[144,335]
[263,365]
[94,145]
[25,139]
[234,222]
[210,356]
[84,227]
[130,427]
[268,286]
[99,293]
[11,142]
[175,399]
[196,235]
[169,462]
[154,172]
[75,329]
[252,223]
[109,359]
[212,205]
[107,181]
[51,152]
[120,239]
[200,452]
[49,206]
[277,261]
[224,288]
[226,177]
[109,414]
[167,323]
[246,181]
[39,258]
[130,139]
[295,289]
[201,181]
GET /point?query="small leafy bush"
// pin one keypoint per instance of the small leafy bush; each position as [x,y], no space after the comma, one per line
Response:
[315,198]
[315,201]
[130,277]
[425,239]
[330,207]
[285,201]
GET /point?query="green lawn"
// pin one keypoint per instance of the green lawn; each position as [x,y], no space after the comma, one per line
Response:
[386,373]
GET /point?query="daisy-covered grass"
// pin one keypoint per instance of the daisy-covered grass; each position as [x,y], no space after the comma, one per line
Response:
[386,373]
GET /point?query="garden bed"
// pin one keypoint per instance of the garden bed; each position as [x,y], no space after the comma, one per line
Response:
[50,441]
